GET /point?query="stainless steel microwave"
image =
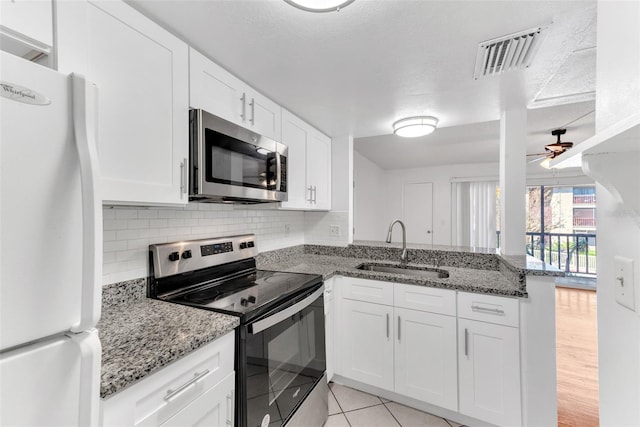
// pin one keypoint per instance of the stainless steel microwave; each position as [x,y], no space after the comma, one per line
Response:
[229,163]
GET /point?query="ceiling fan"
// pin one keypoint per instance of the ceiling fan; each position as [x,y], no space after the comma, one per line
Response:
[551,151]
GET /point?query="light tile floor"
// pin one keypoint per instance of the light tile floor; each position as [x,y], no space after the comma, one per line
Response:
[353,408]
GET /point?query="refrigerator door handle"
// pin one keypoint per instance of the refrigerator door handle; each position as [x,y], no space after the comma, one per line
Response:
[90,353]
[85,118]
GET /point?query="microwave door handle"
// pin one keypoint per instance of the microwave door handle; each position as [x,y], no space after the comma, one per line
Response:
[278,171]
[278,317]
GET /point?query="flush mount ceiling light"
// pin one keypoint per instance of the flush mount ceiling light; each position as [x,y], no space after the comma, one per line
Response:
[412,127]
[320,5]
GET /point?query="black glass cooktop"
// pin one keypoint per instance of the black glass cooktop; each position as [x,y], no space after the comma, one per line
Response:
[247,293]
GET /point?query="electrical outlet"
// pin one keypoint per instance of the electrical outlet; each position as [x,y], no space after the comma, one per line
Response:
[623,280]
[334,230]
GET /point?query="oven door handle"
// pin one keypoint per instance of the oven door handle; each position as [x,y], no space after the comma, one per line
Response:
[278,317]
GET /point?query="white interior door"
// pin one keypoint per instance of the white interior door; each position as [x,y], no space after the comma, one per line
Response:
[417,212]
[52,383]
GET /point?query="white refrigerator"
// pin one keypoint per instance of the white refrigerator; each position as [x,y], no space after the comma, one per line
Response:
[50,247]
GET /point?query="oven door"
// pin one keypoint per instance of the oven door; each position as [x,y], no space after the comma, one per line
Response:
[285,359]
[233,163]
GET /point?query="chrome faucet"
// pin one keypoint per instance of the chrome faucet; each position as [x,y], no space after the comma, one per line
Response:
[404,258]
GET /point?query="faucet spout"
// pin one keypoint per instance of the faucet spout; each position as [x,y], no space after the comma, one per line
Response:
[404,257]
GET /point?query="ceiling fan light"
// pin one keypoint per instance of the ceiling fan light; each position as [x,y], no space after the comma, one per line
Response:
[546,163]
[320,5]
[412,127]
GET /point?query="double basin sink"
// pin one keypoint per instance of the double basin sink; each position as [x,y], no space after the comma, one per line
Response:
[427,273]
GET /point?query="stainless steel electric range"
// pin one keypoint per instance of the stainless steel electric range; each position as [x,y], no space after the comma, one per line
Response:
[280,348]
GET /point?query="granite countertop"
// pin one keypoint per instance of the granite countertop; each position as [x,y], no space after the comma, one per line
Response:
[525,264]
[141,335]
[463,279]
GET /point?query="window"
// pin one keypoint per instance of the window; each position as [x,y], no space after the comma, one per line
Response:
[561,227]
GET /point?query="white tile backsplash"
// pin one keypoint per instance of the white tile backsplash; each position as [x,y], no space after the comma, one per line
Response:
[128,231]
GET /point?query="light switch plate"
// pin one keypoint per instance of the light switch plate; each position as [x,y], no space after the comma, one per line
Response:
[623,281]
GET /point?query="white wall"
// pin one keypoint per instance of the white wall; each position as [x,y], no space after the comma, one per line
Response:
[368,199]
[378,195]
[617,96]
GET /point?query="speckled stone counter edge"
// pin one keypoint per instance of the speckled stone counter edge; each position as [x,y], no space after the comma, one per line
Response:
[516,266]
[136,333]
[123,292]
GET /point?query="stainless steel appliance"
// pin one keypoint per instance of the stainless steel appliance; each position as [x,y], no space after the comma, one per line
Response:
[280,343]
[229,163]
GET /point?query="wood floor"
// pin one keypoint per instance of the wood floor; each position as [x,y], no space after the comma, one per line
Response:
[577,358]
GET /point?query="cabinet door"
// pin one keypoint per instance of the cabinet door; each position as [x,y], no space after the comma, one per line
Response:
[367,343]
[28,21]
[295,133]
[141,71]
[215,90]
[489,372]
[319,169]
[214,408]
[263,116]
[425,357]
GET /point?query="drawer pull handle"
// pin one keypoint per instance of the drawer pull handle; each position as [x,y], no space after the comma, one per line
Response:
[196,377]
[487,310]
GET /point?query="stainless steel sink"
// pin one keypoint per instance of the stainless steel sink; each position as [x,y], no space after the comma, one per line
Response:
[411,271]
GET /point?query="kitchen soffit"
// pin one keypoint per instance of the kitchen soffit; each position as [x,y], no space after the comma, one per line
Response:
[359,70]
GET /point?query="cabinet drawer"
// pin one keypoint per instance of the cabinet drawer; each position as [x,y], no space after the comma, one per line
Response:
[367,290]
[423,298]
[488,308]
[156,398]
[213,408]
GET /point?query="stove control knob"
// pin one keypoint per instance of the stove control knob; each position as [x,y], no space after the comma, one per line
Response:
[174,256]
[244,302]
[187,254]
[252,299]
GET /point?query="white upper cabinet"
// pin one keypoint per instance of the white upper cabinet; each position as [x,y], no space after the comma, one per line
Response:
[142,74]
[308,163]
[213,89]
[26,26]
[222,94]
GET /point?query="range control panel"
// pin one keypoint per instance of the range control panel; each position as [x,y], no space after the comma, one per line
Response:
[180,257]
[217,248]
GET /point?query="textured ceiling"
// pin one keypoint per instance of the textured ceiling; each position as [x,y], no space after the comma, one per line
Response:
[357,71]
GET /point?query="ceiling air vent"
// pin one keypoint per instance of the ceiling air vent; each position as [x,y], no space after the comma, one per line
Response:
[512,52]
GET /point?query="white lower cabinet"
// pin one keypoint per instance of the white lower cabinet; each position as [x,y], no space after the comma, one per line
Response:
[455,350]
[367,343]
[213,408]
[489,358]
[407,351]
[425,357]
[198,388]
